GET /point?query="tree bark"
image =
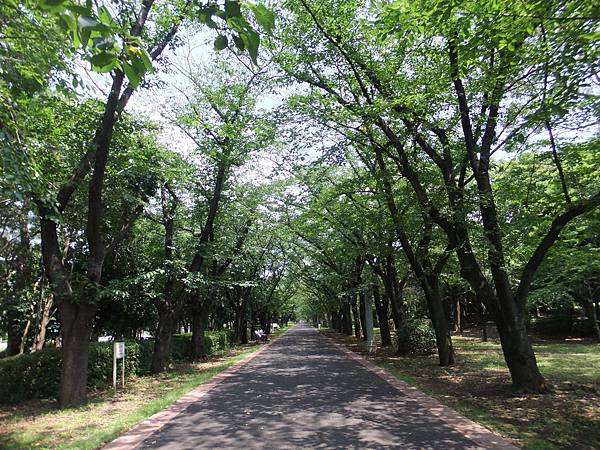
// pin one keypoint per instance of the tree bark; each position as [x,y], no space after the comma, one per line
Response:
[44,318]
[162,339]
[76,319]
[439,320]
[381,306]
[166,305]
[519,355]
[362,312]
[199,325]
[13,343]
[346,319]
[356,316]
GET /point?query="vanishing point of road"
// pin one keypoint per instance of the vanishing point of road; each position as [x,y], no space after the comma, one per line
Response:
[305,392]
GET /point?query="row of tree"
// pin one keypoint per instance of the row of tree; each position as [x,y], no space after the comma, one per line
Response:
[438,156]
[419,98]
[105,228]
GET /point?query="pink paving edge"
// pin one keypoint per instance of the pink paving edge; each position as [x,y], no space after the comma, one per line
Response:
[473,431]
[134,437]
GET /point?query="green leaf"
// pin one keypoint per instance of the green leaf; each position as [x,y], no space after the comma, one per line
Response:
[80,10]
[88,22]
[252,42]
[264,17]
[145,57]
[239,43]
[221,42]
[103,43]
[104,16]
[85,36]
[102,59]
[232,8]
[52,2]
[132,75]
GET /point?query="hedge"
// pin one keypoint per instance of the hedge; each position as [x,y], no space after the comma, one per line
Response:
[562,324]
[37,375]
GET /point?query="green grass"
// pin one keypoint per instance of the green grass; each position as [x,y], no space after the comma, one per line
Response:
[559,361]
[38,425]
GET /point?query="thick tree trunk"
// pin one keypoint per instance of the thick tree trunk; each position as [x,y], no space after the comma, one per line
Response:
[346,319]
[381,307]
[76,324]
[519,355]
[199,324]
[162,339]
[439,320]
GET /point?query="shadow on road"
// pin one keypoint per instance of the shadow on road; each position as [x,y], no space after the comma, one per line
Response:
[305,393]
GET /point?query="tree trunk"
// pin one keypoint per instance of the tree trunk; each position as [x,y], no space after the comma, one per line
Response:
[356,315]
[199,323]
[346,319]
[24,337]
[362,313]
[591,312]
[457,315]
[439,320]
[162,339]
[13,343]
[76,324]
[243,325]
[518,353]
[382,314]
[44,318]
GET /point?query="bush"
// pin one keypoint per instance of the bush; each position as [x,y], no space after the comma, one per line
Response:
[34,375]
[559,324]
[37,375]
[215,341]
[562,325]
[416,336]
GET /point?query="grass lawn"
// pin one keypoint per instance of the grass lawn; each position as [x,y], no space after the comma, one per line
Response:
[40,425]
[479,387]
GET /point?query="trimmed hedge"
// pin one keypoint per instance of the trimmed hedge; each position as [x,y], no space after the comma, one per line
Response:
[37,375]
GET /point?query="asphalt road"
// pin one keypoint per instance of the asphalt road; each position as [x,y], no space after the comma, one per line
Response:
[303,392]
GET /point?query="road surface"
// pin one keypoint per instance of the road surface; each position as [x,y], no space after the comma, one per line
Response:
[304,392]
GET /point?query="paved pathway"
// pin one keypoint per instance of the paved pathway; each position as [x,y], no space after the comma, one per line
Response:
[306,392]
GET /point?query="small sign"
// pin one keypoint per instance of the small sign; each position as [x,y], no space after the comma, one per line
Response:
[119,350]
[119,353]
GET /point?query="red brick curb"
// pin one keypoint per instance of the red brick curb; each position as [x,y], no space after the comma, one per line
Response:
[134,437]
[471,430]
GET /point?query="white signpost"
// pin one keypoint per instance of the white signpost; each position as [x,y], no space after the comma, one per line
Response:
[119,353]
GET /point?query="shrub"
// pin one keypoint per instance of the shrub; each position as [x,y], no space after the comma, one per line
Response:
[37,375]
[34,375]
[562,325]
[416,336]
[559,324]
[215,341]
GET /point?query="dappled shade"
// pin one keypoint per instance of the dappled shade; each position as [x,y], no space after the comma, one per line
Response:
[305,393]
